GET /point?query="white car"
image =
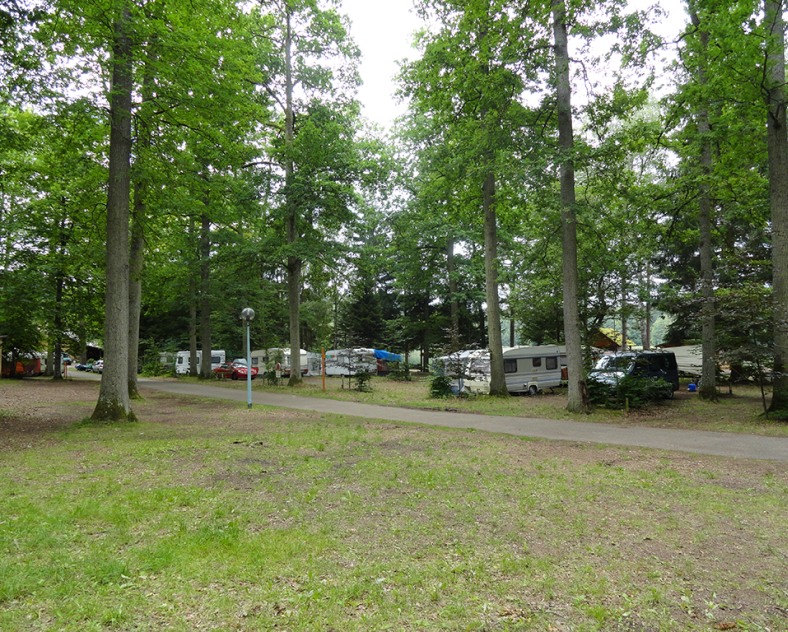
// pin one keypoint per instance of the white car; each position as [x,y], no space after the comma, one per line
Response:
[98,366]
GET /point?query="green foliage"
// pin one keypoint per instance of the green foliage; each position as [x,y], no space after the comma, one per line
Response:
[363,381]
[629,392]
[401,372]
[440,386]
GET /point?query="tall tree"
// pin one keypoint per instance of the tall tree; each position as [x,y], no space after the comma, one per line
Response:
[777,134]
[113,402]
[578,393]
[312,66]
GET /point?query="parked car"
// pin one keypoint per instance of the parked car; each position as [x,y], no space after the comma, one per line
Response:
[234,370]
[98,366]
[612,367]
[82,367]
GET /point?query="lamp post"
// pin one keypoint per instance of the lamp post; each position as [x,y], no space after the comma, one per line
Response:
[248,314]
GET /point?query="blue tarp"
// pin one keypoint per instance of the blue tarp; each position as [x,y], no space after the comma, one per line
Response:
[389,357]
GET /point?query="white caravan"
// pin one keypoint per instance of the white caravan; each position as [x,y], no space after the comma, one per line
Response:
[263,357]
[351,361]
[182,360]
[531,369]
[526,369]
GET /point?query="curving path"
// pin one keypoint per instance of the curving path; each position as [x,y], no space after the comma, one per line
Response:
[701,442]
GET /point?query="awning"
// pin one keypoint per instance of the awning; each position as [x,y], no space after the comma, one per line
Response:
[385,355]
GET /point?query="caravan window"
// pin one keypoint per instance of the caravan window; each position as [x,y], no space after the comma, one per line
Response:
[551,363]
[216,360]
[180,359]
[254,361]
[537,362]
[510,366]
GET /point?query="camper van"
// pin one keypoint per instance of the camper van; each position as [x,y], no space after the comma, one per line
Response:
[526,369]
[263,357]
[182,361]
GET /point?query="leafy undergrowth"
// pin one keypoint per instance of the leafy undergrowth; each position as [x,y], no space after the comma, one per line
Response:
[208,516]
[740,412]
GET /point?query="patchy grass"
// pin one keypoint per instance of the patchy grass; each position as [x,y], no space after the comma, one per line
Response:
[205,515]
[740,412]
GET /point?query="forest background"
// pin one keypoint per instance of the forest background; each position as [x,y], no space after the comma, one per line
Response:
[560,164]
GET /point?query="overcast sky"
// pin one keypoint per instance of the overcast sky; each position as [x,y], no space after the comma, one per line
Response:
[384,33]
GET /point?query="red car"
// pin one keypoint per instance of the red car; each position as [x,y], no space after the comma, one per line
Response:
[233,370]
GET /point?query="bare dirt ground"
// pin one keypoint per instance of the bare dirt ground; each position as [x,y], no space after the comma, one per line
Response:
[33,412]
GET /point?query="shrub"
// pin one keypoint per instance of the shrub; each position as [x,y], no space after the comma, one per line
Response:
[363,381]
[628,392]
[440,386]
[401,372]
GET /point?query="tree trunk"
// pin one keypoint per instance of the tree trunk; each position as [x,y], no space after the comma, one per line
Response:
[778,199]
[136,260]
[205,297]
[113,402]
[294,263]
[497,376]
[624,332]
[194,371]
[137,246]
[708,388]
[578,393]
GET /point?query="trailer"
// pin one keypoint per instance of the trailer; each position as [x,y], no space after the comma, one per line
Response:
[355,360]
[532,369]
[182,360]
[527,369]
[266,359]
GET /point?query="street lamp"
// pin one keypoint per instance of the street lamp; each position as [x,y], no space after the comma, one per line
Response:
[248,314]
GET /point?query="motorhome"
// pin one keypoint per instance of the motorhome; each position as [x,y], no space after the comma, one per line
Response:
[527,369]
[261,359]
[182,362]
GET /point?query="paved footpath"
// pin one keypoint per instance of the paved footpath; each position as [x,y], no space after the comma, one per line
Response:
[714,443]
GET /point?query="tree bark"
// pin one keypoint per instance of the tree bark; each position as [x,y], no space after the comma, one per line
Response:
[578,392]
[205,296]
[193,369]
[136,260]
[708,388]
[137,246]
[113,402]
[778,199]
[497,376]
[294,263]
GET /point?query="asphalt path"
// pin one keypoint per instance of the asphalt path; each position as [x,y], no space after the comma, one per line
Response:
[732,445]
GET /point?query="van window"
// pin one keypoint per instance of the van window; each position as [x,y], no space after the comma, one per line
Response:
[510,366]
[551,363]
[537,362]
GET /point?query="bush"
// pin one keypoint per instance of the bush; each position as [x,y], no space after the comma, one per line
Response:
[629,392]
[363,381]
[401,372]
[440,386]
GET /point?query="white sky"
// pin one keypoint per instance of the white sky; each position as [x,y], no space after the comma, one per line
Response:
[384,32]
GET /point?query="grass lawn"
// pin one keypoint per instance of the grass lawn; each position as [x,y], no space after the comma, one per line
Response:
[740,412]
[208,516]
